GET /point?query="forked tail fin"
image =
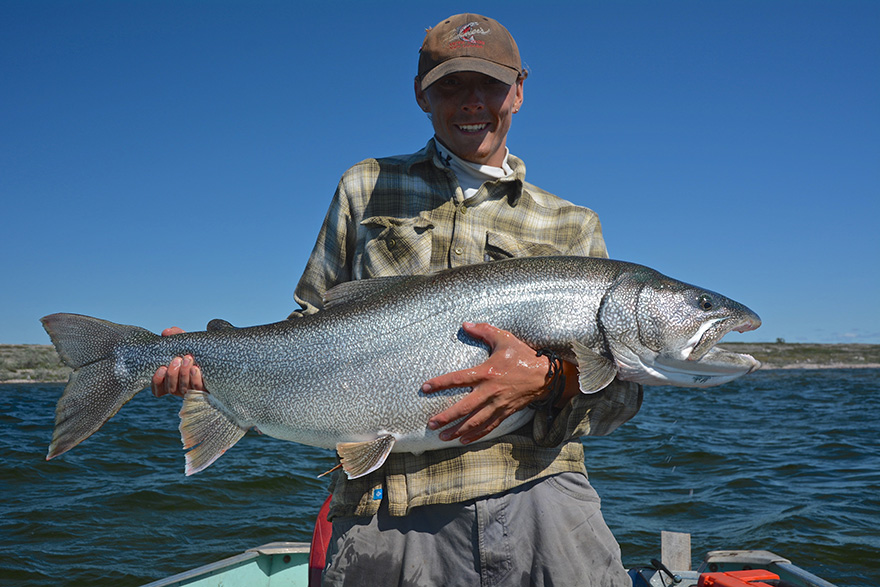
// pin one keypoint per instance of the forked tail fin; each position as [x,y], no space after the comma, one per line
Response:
[102,380]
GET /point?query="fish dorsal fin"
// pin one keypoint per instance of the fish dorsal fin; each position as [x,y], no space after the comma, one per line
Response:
[595,371]
[219,324]
[206,431]
[362,458]
[361,289]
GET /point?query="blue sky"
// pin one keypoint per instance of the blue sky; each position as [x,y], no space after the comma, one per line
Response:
[166,163]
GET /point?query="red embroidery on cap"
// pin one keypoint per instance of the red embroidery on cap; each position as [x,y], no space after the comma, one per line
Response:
[464,35]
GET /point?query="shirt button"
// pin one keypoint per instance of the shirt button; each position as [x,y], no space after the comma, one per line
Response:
[463,209]
[391,243]
[458,251]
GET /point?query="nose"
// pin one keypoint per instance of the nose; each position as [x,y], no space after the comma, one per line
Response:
[473,100]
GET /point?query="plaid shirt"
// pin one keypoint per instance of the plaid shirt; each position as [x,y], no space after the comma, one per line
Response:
[407,215]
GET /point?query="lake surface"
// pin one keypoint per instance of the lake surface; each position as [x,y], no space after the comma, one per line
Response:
[787,461]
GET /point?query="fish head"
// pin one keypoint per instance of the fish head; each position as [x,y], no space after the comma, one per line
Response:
[674,327]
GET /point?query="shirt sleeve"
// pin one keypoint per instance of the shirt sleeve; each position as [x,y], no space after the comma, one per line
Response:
[329,264]
[594,414]
[589,242]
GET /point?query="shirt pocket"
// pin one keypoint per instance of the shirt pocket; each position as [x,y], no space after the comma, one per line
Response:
[394,246]
[503,246]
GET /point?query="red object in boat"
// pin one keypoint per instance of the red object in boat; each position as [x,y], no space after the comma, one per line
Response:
[750,578]
[320,542]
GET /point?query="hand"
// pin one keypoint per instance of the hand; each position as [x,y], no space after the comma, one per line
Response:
[510,379]
[180,375]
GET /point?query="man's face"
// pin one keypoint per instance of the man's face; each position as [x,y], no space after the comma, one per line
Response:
[471,114]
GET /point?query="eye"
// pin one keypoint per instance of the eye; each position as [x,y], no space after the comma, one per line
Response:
[705,302]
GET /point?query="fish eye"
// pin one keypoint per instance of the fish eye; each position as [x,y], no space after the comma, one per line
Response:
[705,302]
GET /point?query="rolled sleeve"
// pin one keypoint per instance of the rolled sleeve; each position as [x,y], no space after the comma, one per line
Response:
[588,414]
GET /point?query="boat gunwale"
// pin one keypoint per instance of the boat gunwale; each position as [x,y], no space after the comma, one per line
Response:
[268,549]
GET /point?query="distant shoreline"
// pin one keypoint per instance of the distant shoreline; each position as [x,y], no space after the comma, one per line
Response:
[24,363]
[783,355]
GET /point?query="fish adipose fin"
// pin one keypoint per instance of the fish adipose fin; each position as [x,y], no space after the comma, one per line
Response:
[362,458]
[219,324]
[206,431]
[596,372]
[100,384]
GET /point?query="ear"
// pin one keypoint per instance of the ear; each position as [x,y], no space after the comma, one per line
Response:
[520,81]
[420,96]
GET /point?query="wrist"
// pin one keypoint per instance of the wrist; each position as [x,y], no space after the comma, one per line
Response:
[555,384]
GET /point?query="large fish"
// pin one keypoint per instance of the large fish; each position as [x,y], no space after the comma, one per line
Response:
[349,377]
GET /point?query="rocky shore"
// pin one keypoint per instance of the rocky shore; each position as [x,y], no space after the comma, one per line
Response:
[782,355]
[39,363]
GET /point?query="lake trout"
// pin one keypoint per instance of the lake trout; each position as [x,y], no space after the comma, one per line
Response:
[349,377]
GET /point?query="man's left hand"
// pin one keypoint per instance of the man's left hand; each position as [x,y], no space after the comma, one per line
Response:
[510,379]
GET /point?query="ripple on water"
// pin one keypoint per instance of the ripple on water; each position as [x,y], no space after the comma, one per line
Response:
[786,461]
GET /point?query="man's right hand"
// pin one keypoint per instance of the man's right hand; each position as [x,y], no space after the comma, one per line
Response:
[178,376]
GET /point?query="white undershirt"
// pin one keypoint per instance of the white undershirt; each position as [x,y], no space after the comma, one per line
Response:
[472,175]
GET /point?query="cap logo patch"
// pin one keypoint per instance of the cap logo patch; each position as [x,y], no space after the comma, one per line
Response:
[464,35]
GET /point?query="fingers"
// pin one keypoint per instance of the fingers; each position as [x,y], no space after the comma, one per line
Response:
[480,413]
[167,379]
[195,379]
[479,425]
[511,378]
[157,384]
[487,333]
[463,378]
[461,409]
[179,376]
[494,337]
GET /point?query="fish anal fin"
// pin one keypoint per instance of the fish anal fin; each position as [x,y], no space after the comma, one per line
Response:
[596,372]
[206,431]
[361,458]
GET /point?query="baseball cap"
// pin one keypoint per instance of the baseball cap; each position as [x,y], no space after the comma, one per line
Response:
[469,42]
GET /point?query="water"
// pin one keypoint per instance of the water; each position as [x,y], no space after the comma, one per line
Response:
[786,461]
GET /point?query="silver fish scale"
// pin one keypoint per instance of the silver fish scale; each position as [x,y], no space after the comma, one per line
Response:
[355,370]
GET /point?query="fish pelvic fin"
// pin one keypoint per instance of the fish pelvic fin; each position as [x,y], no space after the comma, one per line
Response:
[206,431]
[101,382]
[361,458]
[595,371]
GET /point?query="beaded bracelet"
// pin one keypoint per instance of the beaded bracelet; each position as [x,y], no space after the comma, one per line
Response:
[556,385]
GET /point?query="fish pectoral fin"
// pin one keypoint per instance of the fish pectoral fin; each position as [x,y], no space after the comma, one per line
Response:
[362,458]
[595,371]
[206,431]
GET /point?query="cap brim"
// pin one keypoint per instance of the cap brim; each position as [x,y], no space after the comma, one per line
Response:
[500,72]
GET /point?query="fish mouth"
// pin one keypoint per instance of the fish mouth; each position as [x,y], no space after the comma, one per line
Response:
[719,359]
[714,330]
[717,366]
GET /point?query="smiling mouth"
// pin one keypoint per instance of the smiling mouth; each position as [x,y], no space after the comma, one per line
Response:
[473,127]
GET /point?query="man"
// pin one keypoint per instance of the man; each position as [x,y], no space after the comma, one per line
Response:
[516,510]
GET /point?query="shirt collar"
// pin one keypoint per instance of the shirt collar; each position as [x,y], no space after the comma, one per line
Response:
[475,171]
[430,154]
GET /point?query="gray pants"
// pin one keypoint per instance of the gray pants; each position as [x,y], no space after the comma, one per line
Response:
[549,532]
